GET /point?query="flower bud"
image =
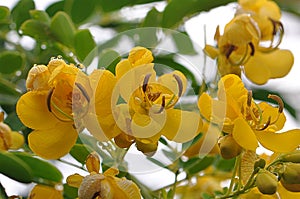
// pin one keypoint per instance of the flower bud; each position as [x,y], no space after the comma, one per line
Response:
[291,173]
[266,182]
[228,147]
[291,157]
[290,187]
[90,186]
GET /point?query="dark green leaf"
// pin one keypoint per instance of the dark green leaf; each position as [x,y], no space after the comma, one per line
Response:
[40,169]
[11,61]
[153,18]
[80,152]
[292,6]
[224,165]
[20,12]
[80,10]
[13,121]
[36,29]
[15,168]
[183,43]
[190,143]
[4,13]
[8,99]
[63,28]
[40,15]
[70,192]
[196,164]
[177,10]
[7,87]
[108,59]
[108,6]
[55,7]
[261,94]
[3,194]
[84,43]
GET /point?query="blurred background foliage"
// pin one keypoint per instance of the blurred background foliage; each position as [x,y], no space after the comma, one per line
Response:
[29,36]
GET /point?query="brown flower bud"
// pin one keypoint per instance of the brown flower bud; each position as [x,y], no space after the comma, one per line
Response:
[266,182]
[291,173]
[228,147]
[290,187]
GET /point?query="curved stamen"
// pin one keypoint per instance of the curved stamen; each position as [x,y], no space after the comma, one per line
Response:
[249,98]
[179,83]
[278,32]
[278,100]
[243,59]
[265,125]
[49,96]
[252,48]
[83,91]
[163,103]
[145,83]
[230,50]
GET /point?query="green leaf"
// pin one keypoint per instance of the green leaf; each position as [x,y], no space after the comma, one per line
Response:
[14,168]
[6,87]
[80,10]
[63,28]
[183,43]
[40,169]
[11,61]
[84,43]
[36,29]
[108,6]
[3,194]
[108,59]
[4,13]
[177,10]
[8,99]
[224,165]
[80,152]
[20,12]
[153,18]
[40,15]
[196,164]
[55,7]
[70,192]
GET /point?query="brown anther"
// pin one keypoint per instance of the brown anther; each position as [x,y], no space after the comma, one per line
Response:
[252,48]
[49,99]
[266,124]
[83,91]
[275,25]
[163,104]
[180,84]
[145,83]
[230,49]
[249,98]
[278,100]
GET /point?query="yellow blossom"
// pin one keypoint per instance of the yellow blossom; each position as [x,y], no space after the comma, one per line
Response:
[248,122]
[148,111]
[45,192]
[106,185]
[9,139]
[57,94]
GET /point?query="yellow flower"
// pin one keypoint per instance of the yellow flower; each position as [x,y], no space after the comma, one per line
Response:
[240,46]
[248,122]
[266,14]
[148,111]
[106,185]
[9,139]
[57,94]
[45,192]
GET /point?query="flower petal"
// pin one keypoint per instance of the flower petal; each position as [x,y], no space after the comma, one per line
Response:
[33,111]
[181,126]
[279,142]
[46,192]
[74,180]
[53,143]
[244,135]
[140,56]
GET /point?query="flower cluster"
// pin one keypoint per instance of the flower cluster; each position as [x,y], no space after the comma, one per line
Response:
[250,43]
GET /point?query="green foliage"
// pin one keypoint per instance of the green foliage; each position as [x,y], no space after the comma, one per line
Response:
[80,152]
[10,62]
[83,43]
